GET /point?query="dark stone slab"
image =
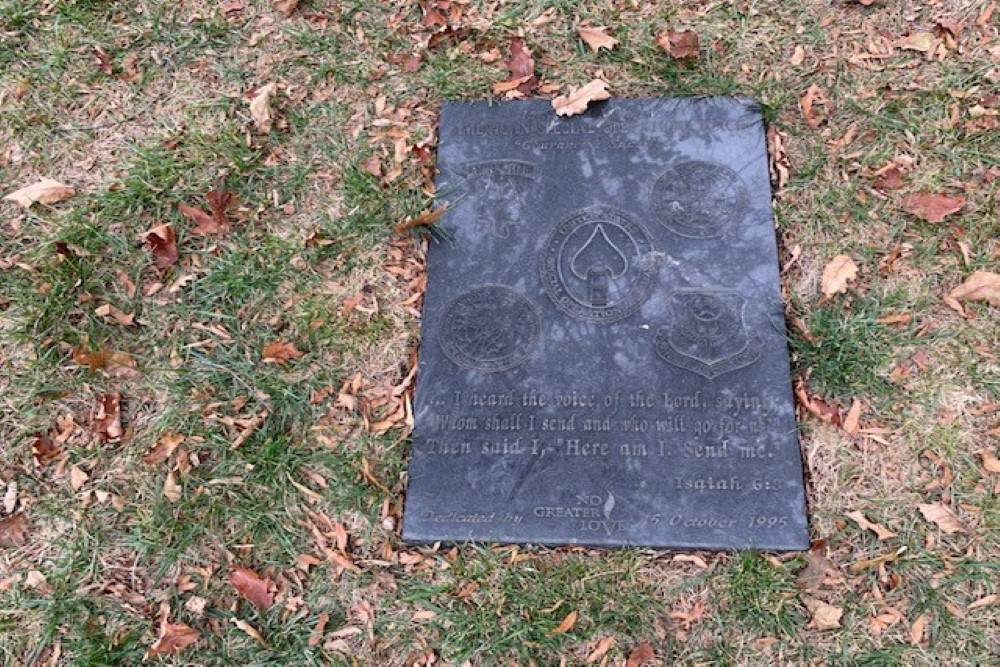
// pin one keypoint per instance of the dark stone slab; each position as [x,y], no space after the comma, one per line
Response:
[604,358]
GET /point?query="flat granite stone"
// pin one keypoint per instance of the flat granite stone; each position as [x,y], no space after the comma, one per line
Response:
[604,359]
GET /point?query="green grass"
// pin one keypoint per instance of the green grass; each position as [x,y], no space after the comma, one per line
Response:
[313,228]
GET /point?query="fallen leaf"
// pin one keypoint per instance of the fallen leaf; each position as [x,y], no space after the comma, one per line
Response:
[853,418]
[77,478]
[425,219]
[279,352]
[45,191]
[810,100]
[980,286]
[890,179]
[640,655]
[163,448]
[163,244]
[576,101]
[942,516]
[880,531]
[984,602]
[13,530]
[521,67]
[924,42]
[601,649]
[824,616]
[798,56]
[597,37]
[813,575]
[990,462]
[173,638]
[878,623]
[108,311]
[103,59]
[260,108]
[932,207]
[171,489]
[286,7]
[838,272]
[248,629]
[108,420]
[566,625]
[680,44]
[44,450]
[252,586]
[316,636]
[204,225]
[918,628]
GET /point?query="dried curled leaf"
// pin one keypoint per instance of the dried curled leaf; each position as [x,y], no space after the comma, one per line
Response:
[521,66]
[13,529]
[980,286]
[162,243]
[880,531]
[173,638]
[576,101]
[838,272]
[824,616]
[260,108]
[566,624]
[280,352]
[45,191]
[252,586]
[811,100]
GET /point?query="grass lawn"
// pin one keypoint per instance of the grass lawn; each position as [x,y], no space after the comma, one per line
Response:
[239,407]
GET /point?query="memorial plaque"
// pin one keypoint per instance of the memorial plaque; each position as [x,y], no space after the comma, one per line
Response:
[604,358]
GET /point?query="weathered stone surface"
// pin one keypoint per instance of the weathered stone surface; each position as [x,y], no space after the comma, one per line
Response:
[604,358]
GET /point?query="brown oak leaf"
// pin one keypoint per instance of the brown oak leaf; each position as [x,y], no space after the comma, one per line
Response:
[45,191]
[980,286]
[252,586]
[810,102]
[173,637]
[521,66]
[838,272]
[640,655]
[108,420]
[597,37]
[13,531]
[942,516]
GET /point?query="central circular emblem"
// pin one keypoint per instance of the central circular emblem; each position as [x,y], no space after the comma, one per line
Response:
[489,328]
[598,265]
[697,199]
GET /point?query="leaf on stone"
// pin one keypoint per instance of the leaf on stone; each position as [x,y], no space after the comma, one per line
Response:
[252,586]
[942,516]
[576,101]
[163,448]
[173,638]
[521,67]
[286,7]
[13,531]
[680,44]
[980,286]
[260,108]
[824,616]
[838,272]
[566,624]
[811,100]
[45,191]
[640,655]
[279,352]
[597,37]
[107,420]
[932,207]
[162,243]
[880,531]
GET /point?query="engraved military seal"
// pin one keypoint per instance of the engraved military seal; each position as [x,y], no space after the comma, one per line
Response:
[709,335]
[489,328]
[698,199]
[498,186]
[598,265]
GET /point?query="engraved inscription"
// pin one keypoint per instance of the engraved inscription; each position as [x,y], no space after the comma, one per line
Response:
[598,265]
[497,186]
[699,199]
[490,328]
[709,335]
